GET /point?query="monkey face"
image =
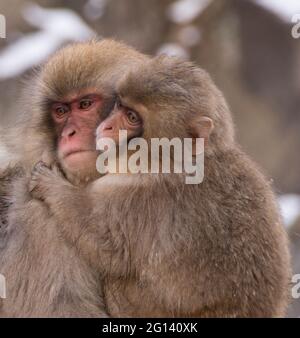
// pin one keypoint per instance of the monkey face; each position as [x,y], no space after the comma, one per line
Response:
[75,120]
[67,101]
[121,118]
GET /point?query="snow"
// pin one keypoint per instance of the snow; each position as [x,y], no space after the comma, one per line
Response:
[173,49]
[184,11]
[26,53]
[63,23]
[57,26]
[285,9]
[290,208]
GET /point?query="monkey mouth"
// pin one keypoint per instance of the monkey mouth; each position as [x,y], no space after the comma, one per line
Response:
[77,151]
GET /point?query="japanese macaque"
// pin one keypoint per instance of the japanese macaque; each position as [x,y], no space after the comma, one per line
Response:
[164,247]
[71,94]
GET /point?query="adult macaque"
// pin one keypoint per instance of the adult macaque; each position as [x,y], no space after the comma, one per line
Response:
[70,96]
[163,247]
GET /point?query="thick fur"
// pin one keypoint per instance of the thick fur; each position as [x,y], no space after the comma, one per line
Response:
[165,248]
[45,275]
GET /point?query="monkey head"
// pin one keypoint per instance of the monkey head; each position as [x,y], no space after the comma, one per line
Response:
[168,98]
[70,96]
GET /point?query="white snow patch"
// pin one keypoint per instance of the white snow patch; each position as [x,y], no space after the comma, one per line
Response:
[184,11]
[173,49]
[285,9]
[57,26]
[290,208]
[26,53]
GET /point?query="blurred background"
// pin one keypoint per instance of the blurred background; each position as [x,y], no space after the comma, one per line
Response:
[246,45]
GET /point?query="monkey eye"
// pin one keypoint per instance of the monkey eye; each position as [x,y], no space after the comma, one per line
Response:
[61,110]
[85,104]
[133,117]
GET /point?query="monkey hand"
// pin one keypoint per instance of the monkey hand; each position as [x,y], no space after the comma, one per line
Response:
[44,180]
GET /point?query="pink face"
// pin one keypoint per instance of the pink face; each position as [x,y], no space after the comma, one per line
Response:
[121,118]
[76,120]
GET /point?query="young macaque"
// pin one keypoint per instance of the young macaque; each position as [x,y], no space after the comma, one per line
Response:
[64,104]
[164,247]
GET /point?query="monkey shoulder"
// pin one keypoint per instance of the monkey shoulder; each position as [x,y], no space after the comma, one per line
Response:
[8,177]
[18,211]
[237,176]
[244,204]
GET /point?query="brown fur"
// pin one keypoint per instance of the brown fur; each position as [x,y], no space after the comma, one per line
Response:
[7,177]
[166,248]
[45,276]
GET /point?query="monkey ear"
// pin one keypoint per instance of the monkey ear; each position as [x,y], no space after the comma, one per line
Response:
[202,127]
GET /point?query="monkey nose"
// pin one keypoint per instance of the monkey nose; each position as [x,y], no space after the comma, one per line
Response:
[105,129]
[106,125]
[68,132]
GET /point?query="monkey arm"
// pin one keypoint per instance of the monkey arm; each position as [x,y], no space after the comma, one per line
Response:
[98,222]
[143,236]
[82,217]
[7,177]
